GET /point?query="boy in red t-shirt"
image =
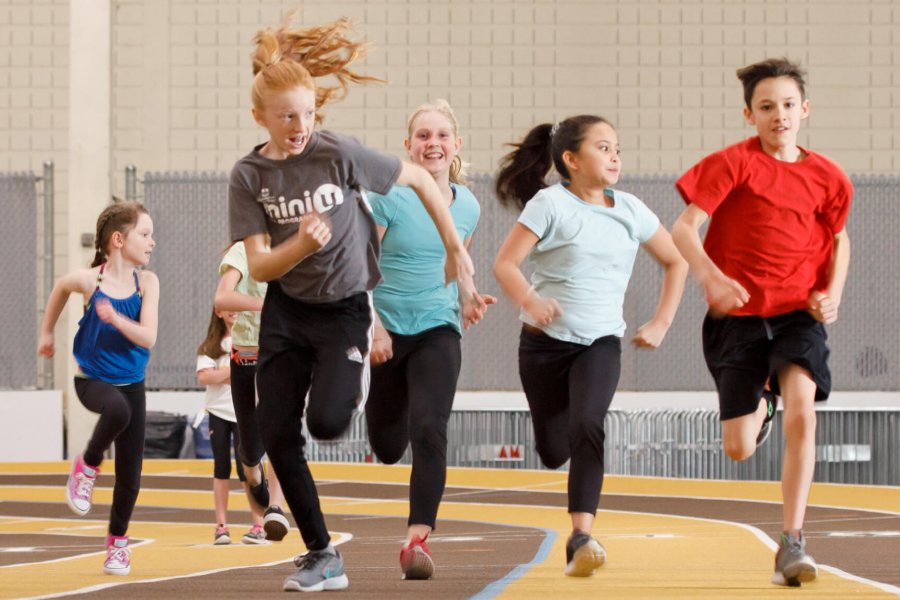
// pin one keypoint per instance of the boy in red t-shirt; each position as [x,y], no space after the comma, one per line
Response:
[773,265]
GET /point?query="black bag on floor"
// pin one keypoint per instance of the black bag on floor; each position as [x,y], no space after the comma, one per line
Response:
[165,435]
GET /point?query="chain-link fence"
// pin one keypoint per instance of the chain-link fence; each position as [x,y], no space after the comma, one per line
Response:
[191,215]
[26,248]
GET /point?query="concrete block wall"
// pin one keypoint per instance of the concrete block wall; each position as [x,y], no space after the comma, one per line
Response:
[662,71]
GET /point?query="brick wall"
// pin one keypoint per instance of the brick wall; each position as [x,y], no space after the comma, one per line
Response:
[662,71]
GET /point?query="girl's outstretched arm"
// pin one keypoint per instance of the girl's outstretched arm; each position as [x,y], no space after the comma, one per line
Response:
[78,281]
[142,332]
[459,265]
[661,247]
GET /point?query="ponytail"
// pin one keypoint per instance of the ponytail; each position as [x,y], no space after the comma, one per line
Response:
[290,56]
[522,171]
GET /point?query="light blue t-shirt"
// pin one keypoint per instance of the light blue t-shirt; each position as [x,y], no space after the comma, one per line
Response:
[584,259]
[412,297]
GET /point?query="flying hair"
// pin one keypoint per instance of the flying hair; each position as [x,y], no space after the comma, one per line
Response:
[523,171]
[293,56]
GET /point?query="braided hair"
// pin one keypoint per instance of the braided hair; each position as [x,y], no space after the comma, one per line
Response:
[119,216]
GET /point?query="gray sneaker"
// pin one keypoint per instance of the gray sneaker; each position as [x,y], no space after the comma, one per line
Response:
[318,570]
[584,555]
[793,565]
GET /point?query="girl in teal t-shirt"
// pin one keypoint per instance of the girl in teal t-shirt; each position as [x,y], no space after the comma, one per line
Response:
[416,350]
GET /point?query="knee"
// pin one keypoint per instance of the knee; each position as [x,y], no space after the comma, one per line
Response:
[327,426]
[737,448]
[429,433]
[553,455]
[389,456]
[799,425]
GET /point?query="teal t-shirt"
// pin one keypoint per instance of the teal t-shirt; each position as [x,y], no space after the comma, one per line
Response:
[584,258]
[412,297]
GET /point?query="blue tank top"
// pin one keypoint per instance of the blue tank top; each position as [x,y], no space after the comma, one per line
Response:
[102,351]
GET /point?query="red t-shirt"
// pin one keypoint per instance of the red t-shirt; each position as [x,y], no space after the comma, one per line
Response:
[772,223]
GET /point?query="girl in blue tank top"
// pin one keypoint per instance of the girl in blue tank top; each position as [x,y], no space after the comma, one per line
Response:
[111,347]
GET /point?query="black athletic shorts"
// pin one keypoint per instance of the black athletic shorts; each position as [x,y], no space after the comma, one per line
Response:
[742,353]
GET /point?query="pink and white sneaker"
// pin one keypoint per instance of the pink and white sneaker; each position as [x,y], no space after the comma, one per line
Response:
[118,555]
[415,559]
[80,487]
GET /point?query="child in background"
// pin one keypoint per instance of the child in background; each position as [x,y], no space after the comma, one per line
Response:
[773,266]
[237,291]
[304,189]
[111,347]
[213,371]
[582,237]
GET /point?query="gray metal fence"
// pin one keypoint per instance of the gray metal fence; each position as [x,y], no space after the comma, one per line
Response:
[26,245]
[852,446]
[190,210]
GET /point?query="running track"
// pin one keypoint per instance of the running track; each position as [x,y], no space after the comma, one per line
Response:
[501,535]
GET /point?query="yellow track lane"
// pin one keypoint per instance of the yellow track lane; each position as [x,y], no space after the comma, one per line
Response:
[650,556]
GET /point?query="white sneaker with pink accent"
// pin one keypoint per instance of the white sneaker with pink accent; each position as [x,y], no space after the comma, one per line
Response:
[118,555]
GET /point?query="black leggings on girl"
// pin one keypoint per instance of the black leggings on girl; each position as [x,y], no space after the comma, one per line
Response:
[410,402]
[123,413]
[222,436]
[243,395]
[317,348]
[569,388]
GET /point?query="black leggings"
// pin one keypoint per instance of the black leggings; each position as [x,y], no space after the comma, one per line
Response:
[243,395]
[569,388]
[317,348]
[222,436]
[410,402]
[123,415]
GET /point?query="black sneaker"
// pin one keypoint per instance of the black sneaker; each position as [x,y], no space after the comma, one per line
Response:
[257,484]
[584,555]
[793,565]
[766,429]
[275,524]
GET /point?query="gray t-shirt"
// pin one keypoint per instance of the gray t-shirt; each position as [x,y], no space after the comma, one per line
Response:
[329,177]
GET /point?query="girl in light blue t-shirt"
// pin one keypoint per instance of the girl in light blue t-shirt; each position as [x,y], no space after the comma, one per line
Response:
[581,237]
[416,348]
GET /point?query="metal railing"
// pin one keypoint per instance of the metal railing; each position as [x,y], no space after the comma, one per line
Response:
[852,446]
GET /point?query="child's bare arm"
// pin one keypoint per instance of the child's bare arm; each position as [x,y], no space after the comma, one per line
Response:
[660,246]
[78,281]
[459,265]
[313,233]
[723,293]
[229,299]
[823,305]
